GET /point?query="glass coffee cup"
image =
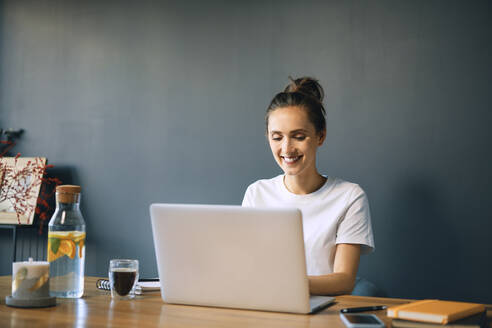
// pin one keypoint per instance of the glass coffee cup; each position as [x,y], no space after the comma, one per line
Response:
[123,278]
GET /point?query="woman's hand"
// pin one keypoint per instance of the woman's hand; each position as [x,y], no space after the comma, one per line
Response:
[342,280]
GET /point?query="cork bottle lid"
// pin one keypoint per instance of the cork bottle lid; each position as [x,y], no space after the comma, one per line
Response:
[68,189]
[68,193]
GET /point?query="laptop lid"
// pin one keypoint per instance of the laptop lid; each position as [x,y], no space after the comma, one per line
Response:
[231,256]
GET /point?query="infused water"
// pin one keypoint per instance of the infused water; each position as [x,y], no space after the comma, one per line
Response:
[66,254]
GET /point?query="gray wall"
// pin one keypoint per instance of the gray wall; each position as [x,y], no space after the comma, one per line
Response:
[143,101]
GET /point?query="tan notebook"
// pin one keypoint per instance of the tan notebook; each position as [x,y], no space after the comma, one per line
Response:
[436,311]
[473,321]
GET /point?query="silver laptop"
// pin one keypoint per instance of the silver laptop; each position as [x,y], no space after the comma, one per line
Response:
[232,256]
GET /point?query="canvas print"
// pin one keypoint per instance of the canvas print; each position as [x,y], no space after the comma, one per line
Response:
[20,182]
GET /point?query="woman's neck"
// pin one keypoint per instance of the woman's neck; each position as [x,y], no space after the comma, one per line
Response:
[302,185]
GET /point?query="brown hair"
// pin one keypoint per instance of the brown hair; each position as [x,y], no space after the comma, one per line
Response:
[304,92]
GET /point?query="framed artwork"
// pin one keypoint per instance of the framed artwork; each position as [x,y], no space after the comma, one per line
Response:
[20,182]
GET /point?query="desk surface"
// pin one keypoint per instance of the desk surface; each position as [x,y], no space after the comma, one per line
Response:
[96,309]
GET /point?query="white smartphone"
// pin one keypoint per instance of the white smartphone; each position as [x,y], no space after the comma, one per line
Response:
[357,320]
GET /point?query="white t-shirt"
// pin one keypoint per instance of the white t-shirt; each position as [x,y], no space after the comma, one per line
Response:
[336,213]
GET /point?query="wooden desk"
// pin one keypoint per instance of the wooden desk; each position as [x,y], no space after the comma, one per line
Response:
[96,309]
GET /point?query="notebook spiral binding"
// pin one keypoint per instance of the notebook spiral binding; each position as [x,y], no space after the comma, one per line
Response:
[103,284]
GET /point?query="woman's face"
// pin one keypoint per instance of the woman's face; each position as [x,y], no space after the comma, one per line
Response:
[293,140]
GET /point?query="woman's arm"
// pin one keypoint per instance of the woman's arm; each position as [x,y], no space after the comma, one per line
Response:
[342,280]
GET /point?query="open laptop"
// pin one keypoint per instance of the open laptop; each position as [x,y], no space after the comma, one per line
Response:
[232,256]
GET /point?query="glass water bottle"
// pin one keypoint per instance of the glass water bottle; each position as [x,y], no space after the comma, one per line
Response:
[66,244]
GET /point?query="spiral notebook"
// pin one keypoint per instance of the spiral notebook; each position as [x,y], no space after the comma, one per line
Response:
[143,285]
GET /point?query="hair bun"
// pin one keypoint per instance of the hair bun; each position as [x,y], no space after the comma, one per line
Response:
[306,85]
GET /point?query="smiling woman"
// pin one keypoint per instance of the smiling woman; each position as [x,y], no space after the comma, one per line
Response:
[294,142]
[336,218]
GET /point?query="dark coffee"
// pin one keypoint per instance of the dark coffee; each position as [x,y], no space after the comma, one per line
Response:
[123,280]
